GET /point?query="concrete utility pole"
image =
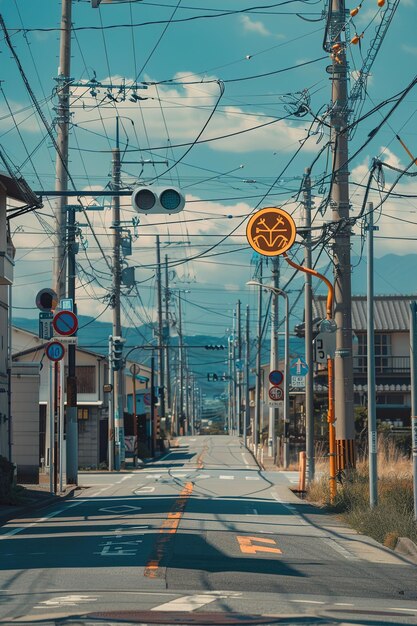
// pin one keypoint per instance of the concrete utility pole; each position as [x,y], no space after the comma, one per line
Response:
[246,420]
[372,432]
[167,341]
[343,363]
[161,355]
[181,368]
[65,247]
[238,370]
[61,164]
[115,304]
[308,328]
[413,363]
[273,357]
[258,385]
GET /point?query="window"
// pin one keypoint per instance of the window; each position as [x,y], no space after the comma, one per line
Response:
[86,378]
[382,351]
[83,414]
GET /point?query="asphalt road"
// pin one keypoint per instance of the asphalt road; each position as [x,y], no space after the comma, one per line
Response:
[200,531]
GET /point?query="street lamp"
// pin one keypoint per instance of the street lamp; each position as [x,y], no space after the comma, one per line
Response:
[280,292]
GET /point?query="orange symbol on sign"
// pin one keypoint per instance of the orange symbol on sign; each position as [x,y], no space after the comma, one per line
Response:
[271,231]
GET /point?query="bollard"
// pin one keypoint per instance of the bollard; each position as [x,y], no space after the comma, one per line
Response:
[302,471]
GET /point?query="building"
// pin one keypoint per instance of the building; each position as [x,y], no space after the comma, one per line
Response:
[392,355]
[92,399]
[16,191]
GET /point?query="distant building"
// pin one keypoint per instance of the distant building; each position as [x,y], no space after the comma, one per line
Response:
[392,355]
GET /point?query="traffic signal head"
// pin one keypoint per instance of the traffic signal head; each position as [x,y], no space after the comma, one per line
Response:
[117,353]
[165,200]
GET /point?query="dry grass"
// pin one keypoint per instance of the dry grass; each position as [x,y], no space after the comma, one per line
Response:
[393,517]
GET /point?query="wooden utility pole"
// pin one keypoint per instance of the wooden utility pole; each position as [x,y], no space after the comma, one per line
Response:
[343,362]
[167,341]
[257,434]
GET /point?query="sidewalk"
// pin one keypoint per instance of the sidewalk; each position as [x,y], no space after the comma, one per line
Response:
[32,498]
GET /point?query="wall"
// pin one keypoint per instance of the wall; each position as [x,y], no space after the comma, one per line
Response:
[25,416]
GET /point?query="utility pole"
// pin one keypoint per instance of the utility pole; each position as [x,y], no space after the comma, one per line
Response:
[257,421]
[343,362]
[61,164]
[181,368]
[413,363]
[167,340]
[115,304]
[238,370]
[65,246]
[372,433]
[247,371]
[308,329]
[161,364]
[273,361]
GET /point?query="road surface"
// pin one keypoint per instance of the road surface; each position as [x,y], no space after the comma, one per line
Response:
[201,532]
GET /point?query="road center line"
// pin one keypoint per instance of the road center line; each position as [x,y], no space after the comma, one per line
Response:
[169,527]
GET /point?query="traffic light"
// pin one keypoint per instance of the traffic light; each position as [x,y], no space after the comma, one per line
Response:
[117,353]
[165,200]
[214,347]
[212,378]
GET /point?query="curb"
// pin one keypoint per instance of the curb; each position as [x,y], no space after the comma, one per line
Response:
[18,510]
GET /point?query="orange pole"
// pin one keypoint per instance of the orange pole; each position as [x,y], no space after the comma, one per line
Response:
[330,377]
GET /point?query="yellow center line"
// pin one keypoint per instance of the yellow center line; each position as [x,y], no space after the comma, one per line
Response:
[169,527]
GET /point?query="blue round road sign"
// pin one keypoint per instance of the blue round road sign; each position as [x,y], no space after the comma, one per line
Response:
[55,351]
[276,377]
[65,323]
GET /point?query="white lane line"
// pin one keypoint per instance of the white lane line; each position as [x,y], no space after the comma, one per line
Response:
[340,549]
[42,519]
[154,476]
[226,477]
[394,608]
[308,601]
[179,475]
[144,489]
[343,604]
[245,460]
[124,478]
[252,478]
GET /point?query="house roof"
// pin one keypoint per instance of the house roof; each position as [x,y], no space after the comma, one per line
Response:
[391,313]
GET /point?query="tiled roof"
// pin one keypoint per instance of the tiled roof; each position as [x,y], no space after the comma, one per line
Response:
[391,313]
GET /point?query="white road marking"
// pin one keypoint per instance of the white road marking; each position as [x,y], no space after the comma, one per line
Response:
[39,521]
[308,601]
[124,478]
[154,476]
[144,489]
[190,603]
[227,477]
[182,475]
[340,549]
[343,604]
[245,460]
[252,478]
[394,608]
[122,509]
[65,601]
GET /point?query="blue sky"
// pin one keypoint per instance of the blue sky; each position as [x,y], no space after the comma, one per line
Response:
[224,179]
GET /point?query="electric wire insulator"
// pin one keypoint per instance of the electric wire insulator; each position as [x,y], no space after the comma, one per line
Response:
[356,39]
[381,3]
[354,11]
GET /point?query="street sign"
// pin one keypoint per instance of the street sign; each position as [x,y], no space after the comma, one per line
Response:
[55,351]
[66,304]
[276,377]
[298,367]
[46,299]
[65,323]
[68,340]
[324,347]
[276,404]
[276,393]
[298,382]
[45,325]
[271,231]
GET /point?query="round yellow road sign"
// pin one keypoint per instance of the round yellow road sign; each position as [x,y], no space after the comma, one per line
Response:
[271,231]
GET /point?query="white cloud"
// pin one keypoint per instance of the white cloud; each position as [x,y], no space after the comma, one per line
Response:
[409,49]
[252,26]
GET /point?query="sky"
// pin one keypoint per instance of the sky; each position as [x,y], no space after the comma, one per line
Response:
[224,81]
